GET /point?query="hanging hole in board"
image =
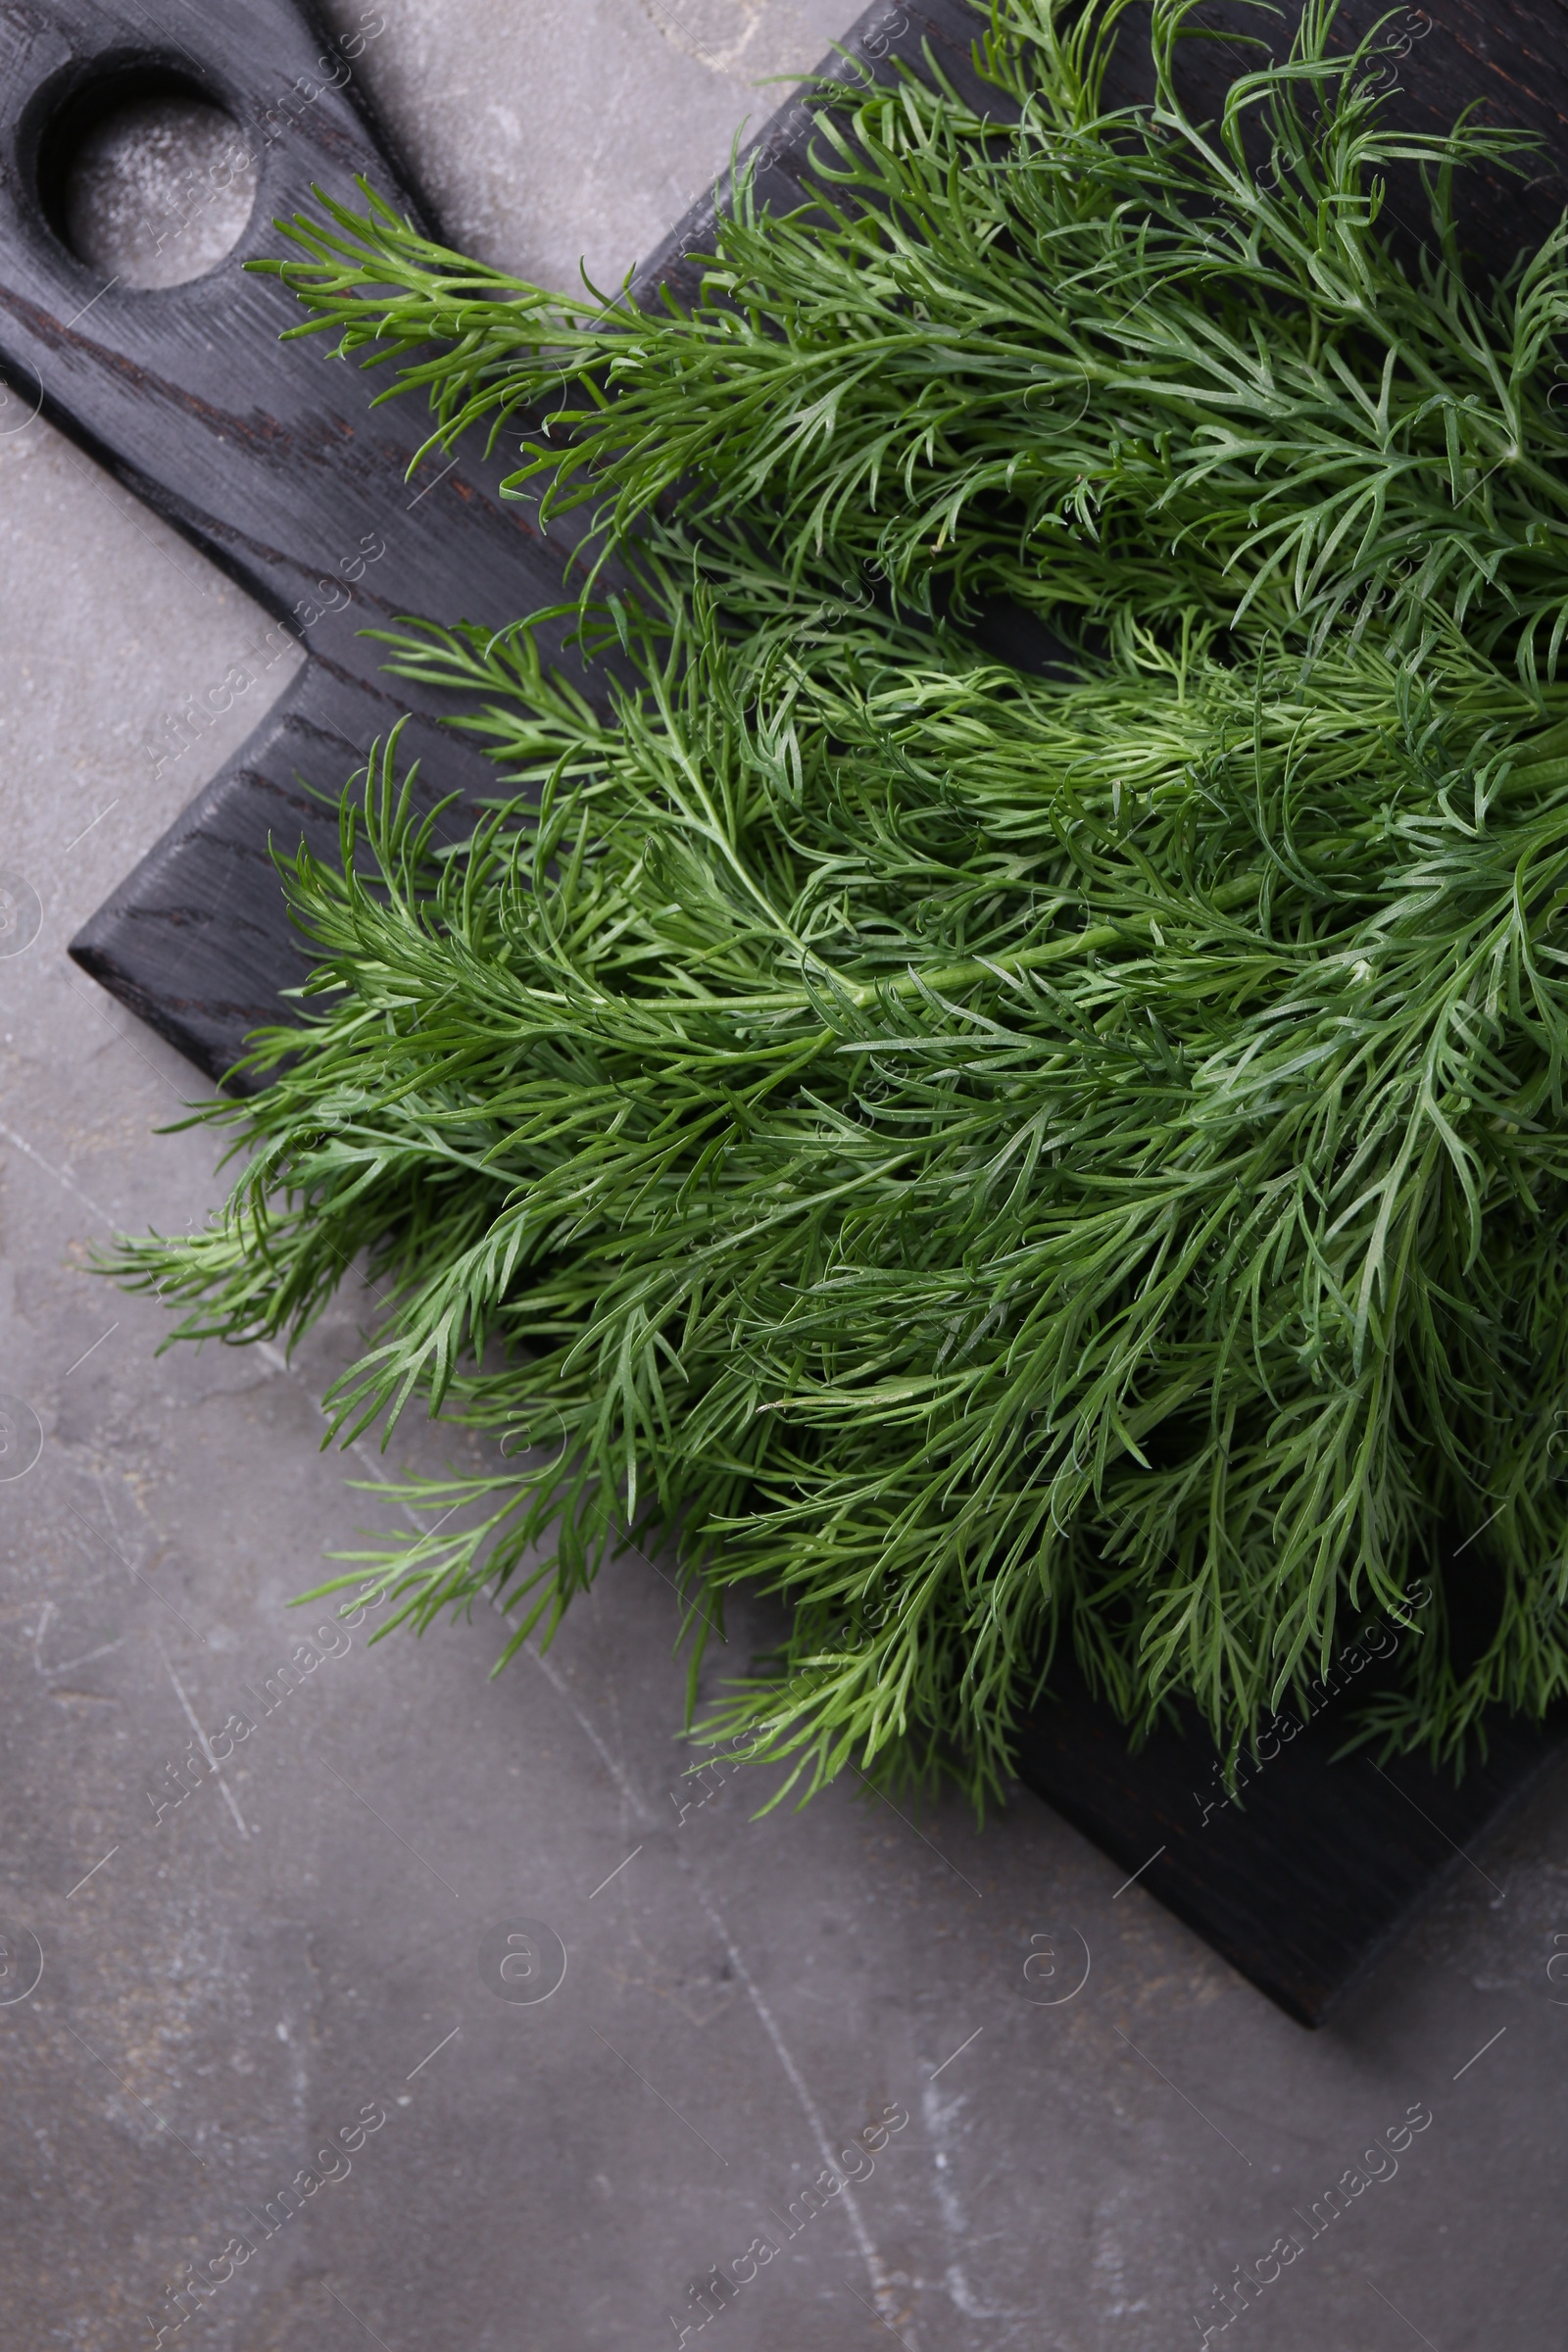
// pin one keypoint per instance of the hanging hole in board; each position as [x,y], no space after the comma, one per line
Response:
[145,179]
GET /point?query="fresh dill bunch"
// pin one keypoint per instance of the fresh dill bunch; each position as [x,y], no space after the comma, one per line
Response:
[999,1161]
[1082,358]
[981,1157]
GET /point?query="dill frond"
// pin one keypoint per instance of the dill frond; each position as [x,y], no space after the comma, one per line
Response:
[996,1160]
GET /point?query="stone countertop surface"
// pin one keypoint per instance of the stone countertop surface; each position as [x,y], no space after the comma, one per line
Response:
[315,1936]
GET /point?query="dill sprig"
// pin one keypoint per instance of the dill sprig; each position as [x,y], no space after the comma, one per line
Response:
[1087,360]
[996,1160]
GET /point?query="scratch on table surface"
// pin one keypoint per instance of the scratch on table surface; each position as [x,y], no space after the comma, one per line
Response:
[938,2114]
[211,1761]
[66,1665]
[66,1182]
[881,2285]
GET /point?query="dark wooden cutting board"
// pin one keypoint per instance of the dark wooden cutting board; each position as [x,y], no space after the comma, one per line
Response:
[267,456]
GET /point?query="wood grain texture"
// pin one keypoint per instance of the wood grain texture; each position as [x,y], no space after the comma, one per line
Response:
[268,459]
[267,456]
[1307,1879]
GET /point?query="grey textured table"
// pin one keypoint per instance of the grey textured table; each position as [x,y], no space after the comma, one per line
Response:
[247,1973]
